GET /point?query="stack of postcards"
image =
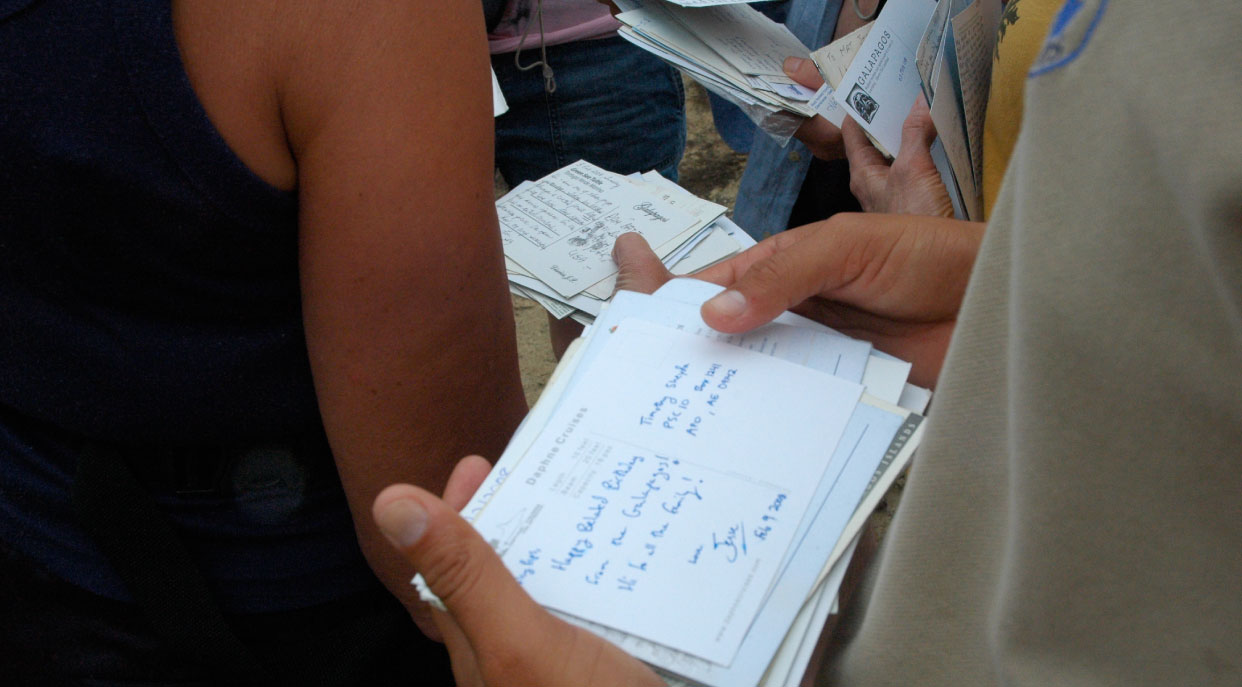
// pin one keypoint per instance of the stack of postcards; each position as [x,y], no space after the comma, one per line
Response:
[948,46]
[559,231]
[729,47]
[693,496]
[940,48]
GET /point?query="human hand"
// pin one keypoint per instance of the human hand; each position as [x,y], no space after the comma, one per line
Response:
[495,633]
[894,280]
[819,135]
[639,269]
[463,481]
[911,183]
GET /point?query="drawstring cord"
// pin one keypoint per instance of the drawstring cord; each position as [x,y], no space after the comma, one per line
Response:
[549,79]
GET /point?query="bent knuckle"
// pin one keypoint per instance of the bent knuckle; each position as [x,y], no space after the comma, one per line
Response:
[505,659]
[452,573]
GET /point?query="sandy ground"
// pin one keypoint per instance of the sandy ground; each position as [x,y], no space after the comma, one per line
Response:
[709,169]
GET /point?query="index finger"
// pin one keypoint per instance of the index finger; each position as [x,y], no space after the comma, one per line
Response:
[858,148]
[775,279]
[727,272]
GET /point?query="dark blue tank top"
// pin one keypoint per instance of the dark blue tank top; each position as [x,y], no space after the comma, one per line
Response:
[148,297]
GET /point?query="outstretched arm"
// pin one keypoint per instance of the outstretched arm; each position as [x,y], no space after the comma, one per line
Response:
[894,280]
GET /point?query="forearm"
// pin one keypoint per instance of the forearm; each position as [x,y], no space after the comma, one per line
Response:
[405,404]
[407,314]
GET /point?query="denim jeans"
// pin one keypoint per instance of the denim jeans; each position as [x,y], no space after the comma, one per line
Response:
[615,106]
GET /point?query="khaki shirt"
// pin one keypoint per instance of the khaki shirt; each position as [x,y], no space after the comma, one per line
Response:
[1074,516]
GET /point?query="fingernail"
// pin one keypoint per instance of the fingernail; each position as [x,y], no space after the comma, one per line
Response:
[729,304]
[403,522]
[792,64]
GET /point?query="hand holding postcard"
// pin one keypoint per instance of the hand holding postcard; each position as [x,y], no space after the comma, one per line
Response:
[562,229]
[691,495]
[642,479]
[558,233]
[943,50]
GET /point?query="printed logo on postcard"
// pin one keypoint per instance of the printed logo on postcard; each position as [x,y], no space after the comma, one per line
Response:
[863,103]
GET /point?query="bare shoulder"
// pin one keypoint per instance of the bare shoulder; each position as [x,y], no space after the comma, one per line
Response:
[357,62]
[273,75]
[230,56]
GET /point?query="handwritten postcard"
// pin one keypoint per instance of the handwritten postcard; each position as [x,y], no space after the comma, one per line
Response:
[818,349]
[717,45]
[561,228]
[749,41]
[874,434]
[834,59]
[646,476]
[637,492]
[884,376]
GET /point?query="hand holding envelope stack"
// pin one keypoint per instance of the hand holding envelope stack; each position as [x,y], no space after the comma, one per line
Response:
[693,496]
[558,234]
[731,49]
[940,48]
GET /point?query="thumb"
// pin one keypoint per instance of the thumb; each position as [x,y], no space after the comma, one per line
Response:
[640,268]
[803,71]
[464,572]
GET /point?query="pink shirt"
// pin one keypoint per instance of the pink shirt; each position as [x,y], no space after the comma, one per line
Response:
[564,21]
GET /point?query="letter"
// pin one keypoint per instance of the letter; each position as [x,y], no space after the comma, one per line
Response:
[594,578]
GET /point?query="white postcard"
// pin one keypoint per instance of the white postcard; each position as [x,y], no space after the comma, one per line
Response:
[747,39]
[882,82]
[561,228]
[645,476]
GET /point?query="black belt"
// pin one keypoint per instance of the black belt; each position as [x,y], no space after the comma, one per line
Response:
[222,471]
[113,494]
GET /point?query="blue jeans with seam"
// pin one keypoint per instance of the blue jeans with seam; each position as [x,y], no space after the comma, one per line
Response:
[615,106]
